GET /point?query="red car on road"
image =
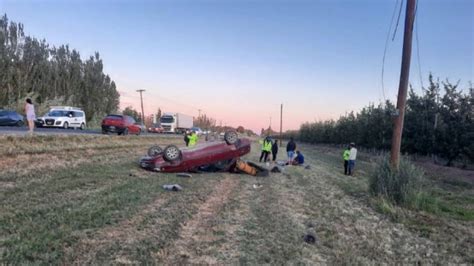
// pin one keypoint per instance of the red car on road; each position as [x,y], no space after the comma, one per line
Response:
[219,154]
[155,128]
[120,124]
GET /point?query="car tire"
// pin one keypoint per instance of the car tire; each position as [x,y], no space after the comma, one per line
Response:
[20,123]
[171,153]
[104,132]
[82,127]
[65,125]
[154,151]
[231,137]
[139,132]
[125,132]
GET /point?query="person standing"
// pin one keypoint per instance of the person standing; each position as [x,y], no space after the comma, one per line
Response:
[266,149]
[345,156]
[274,150]
[30,115]
[290,150]
[186,138]
[352,158]
[193,139]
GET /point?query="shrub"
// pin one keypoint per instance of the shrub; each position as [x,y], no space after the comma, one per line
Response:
[399,186]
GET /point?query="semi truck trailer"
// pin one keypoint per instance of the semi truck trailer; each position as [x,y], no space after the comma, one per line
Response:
[176,122]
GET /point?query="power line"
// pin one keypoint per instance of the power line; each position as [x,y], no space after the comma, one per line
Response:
[385,49]
[418,45]
[398,20]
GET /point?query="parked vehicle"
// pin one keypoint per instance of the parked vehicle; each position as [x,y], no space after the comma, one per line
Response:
[11,118]
[121,124]
[64,117]
[155,128]
[219,154]
[198,130]
[176,122]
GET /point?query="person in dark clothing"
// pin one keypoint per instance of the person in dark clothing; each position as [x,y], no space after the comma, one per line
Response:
[290,150]
[275,150]
[186,138]
[299,159]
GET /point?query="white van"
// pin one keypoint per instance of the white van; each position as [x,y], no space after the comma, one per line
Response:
[64,117]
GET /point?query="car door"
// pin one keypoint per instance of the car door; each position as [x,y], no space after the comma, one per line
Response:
[3,118]
[71,119]
[133,128]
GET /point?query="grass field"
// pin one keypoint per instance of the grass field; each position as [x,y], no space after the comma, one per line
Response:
[83,200]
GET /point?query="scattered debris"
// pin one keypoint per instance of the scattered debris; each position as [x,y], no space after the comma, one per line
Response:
[281,163]
[307,167]
[184,175]
[255,186]
[174,187]
[309,238]
[276,169]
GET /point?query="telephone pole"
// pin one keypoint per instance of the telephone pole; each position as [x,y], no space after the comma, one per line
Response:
[281,124]
[402,89]
[141,99]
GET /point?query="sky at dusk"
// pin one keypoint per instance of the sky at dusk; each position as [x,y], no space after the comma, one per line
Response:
[239,60]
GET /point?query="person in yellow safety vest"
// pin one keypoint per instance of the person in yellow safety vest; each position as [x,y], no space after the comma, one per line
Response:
[266,149]
[193,139]
[345,156]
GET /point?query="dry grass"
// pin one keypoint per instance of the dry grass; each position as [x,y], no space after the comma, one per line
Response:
[90,204]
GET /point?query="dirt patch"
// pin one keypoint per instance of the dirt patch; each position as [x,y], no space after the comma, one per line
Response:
[196,234]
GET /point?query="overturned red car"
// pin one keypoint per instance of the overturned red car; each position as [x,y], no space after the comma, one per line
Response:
[220,155]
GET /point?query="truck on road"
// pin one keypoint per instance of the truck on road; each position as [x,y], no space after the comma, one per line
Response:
[176,122]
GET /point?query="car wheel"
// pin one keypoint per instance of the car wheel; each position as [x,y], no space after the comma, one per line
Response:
[82,127]
[231,137]
[125,131]
[139,132]
[66,125]
[104,131]
[154,150]
[20,123]
[171,153]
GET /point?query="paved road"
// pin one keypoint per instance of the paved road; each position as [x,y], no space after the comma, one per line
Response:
[5,130]
[46,131]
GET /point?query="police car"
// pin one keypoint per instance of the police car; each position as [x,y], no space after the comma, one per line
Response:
[63,117]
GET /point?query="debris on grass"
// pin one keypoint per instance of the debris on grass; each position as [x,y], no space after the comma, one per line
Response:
[184,175]
[277,169]
[173,187]
[256,186]
[310,238]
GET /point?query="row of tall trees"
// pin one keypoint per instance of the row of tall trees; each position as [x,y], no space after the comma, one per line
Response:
[438,122]
[30,67]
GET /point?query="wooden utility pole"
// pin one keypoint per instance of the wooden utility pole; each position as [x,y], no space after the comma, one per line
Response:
[141,99]
[281,125]
[403,86]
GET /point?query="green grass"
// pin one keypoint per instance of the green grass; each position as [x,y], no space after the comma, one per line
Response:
[449,198]
[112,212]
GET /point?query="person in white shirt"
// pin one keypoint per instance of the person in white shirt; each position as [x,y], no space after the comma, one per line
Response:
[352,158]
[30,115]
